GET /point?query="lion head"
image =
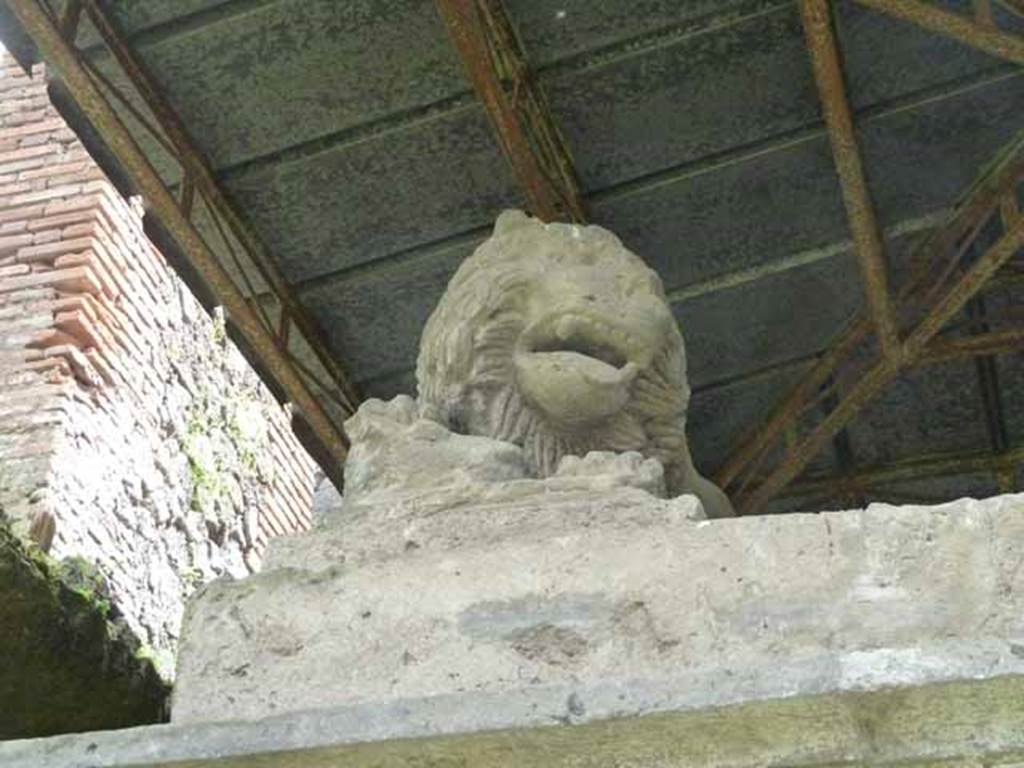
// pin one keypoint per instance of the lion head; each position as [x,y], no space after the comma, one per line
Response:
[557,338]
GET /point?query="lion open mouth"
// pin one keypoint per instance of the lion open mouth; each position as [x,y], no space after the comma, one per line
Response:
[576,369]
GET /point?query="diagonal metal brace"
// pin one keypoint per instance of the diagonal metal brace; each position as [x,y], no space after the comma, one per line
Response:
[879,376]
[496,63]
[967,29]
[990,192]
[860,210]
[199,176]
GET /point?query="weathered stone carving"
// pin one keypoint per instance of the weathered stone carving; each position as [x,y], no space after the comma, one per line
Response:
[412,484]
[557,338]
[463,570]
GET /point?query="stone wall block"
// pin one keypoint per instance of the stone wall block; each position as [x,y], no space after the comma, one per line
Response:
[125,415]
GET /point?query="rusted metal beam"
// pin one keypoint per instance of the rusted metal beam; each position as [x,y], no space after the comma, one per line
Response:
[991,343]
[496,63]
[954,300]
[200,177]
[842,446]
[160,203]
[885,371]
[1002,44]
[860,210]
[989,193]
[987,373]
[764,436]
[70,14]
[983,13]
[909,469]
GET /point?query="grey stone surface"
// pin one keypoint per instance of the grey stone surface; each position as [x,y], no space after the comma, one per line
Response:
[731,610]
[410,483]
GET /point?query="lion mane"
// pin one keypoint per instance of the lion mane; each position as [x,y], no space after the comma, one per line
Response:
[465,370]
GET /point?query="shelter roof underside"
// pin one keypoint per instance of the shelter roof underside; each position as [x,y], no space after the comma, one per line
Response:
[349,138]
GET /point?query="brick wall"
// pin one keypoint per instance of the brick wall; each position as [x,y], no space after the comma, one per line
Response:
[132,433]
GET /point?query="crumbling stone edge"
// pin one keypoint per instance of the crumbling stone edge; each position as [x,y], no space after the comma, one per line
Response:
[955,702]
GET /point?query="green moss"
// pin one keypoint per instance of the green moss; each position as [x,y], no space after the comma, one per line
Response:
[68,664]
[84,579]
[219,332]
[192,579]
[145,653]
[208,462]
[205,470]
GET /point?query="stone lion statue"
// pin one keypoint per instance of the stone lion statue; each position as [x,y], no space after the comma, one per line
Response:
[558,339]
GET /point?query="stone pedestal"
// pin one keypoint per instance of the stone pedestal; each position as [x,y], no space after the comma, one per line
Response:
[576,636]
[624,603]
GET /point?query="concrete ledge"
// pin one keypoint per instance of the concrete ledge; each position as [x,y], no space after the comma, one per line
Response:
[954,723]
